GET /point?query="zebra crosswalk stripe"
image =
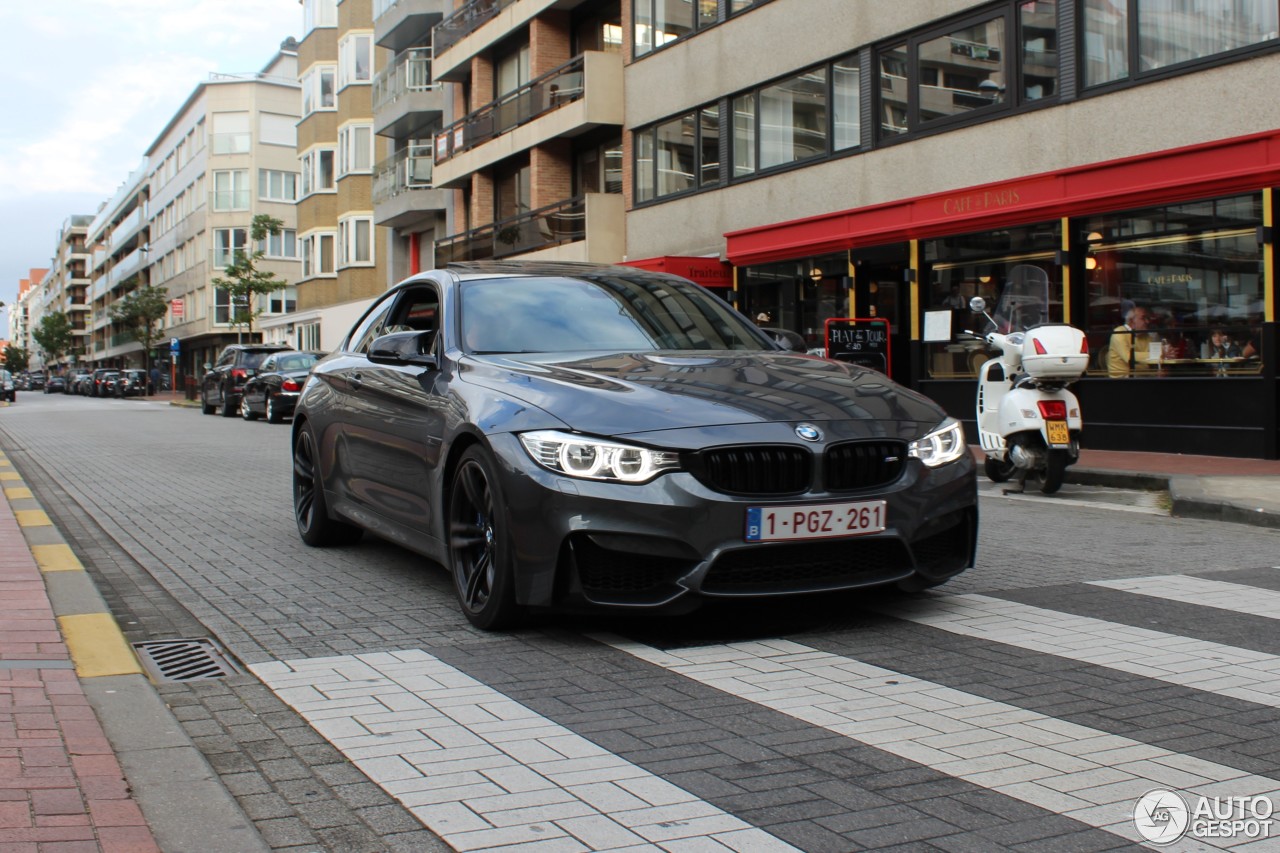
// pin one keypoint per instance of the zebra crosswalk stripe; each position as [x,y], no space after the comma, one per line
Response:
[483,771]
[1222,595]
[1089,775]
[1213,667]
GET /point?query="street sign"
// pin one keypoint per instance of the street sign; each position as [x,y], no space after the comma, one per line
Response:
[173,345]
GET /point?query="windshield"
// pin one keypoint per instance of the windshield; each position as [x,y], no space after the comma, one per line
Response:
[1024,302]
[603,313]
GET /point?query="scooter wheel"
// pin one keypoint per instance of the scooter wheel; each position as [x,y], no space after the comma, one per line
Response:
[998,471]
[1054,470]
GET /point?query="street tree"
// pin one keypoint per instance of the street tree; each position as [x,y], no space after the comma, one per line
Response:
[244,281]
[138,313]
[16,359]
[54,336]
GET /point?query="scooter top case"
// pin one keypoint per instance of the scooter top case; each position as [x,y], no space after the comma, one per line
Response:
[1056,351]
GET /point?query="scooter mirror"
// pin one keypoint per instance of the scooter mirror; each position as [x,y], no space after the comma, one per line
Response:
[977,305]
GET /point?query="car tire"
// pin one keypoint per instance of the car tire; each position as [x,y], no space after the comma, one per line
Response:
[246,412]
[480,551]
[309,510]
[273,414]
[206,407]
[228,410]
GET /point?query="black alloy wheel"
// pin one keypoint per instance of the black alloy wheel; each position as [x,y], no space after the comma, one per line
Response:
[479,551]
[273,414]
[314,524]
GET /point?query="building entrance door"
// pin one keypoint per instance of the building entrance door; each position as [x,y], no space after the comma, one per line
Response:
[879,290]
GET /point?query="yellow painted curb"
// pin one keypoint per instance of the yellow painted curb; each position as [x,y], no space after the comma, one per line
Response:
[56,558]
[10,475]
[32,518]
[97,647]
[17,493]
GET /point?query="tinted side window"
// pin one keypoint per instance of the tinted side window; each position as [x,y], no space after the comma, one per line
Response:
[370,328]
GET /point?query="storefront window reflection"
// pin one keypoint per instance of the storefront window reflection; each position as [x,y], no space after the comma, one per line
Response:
[1190,274]
[798,295]
[962,71]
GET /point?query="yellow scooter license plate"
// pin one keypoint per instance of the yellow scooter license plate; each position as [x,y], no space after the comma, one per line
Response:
[1059,436]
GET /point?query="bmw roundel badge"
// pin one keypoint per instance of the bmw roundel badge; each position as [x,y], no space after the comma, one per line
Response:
[809,432]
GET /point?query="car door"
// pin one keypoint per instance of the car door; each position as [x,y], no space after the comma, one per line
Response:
[395,421]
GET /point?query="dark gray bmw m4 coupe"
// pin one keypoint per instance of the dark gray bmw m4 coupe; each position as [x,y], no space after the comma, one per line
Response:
[577,436]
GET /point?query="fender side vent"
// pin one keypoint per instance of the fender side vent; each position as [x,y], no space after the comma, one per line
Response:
[183,660]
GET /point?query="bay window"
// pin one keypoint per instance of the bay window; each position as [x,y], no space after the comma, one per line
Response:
[355,241]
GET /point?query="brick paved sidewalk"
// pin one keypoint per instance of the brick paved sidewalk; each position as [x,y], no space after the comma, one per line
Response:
[61,787]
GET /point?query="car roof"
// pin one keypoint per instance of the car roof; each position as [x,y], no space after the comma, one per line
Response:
[465,270]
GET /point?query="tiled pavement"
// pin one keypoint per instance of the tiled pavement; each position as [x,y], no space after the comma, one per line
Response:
[61,787]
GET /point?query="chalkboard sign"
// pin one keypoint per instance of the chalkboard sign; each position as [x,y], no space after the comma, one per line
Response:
[863,341]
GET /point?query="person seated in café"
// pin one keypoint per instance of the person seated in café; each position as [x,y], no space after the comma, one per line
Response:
[1221,345]
[1127,351]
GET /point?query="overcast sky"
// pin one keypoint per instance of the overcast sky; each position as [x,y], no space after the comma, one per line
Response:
[92,84]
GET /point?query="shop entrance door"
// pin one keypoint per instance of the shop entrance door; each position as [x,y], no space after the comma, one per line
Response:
[880,291]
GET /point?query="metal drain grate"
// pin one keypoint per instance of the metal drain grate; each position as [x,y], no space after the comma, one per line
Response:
[184,660]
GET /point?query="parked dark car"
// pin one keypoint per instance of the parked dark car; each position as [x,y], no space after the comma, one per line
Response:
[73,379]
[107,383]
[83,385]
[35,382]
[97,381]
[223,383]
[565,435]
[55,385]
[273,391]
[8,386]
[132,383]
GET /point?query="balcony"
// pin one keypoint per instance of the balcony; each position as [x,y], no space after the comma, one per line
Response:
[463,22]
[586,228]
[406,101]
[402,190]
[126,229]
[398,24]
[127,266]
[583,94]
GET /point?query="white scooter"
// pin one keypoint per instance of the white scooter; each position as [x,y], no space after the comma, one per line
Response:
[1028,422]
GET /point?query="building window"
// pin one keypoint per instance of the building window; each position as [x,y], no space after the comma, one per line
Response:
[1000,60]
[318,13]
[226,243]
[355,148]
[231,135]
[317,171]
[678,155]
[318,92]
[307,337]
[275,185]
[846,104]
[317,255]
[355,60]
[231,190]
[660,22]
[1165,34]
[355,241]
[282,245]
[282,301]
[793,119]
[222,306]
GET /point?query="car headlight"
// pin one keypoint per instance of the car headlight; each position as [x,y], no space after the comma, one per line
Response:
[594,459]
[945,444]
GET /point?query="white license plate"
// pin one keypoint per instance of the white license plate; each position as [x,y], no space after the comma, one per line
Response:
[814,521]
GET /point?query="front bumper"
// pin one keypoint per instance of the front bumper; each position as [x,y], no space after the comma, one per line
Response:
[669,543]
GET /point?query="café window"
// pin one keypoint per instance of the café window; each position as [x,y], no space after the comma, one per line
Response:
[1003,59]
[1192,275]
[679,155]
[963,266]
[1125,39]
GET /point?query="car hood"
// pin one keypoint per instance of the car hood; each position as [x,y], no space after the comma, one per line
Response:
[629,393]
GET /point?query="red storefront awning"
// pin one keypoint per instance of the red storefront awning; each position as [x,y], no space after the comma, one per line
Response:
[1209,169]
[708,272]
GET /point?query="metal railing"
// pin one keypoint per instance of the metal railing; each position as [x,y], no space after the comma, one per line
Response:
[552,90]
[465,21]
[409,72]
[406,170]
[563,222]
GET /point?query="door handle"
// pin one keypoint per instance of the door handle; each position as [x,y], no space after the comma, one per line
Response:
[356,381]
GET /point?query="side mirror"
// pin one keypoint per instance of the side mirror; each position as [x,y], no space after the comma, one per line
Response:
[404,348]
[977,305]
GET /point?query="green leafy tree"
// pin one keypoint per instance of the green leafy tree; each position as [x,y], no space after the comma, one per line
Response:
[16,359]
[54,336]
[244,281]
[138,313]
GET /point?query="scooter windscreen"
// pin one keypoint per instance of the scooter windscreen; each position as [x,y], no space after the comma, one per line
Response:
[1024,302]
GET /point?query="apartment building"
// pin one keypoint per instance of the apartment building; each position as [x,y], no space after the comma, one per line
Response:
[851,158]
[227,155]
[342,249]
[64,289]
[25,310]
[119,235]
[408,112]
[533,140]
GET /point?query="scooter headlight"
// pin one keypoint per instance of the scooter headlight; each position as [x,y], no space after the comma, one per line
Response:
[945,444]
[595,459]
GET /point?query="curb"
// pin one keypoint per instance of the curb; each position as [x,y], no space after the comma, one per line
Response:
[1189,499]
[156,755]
